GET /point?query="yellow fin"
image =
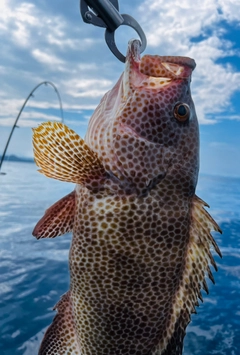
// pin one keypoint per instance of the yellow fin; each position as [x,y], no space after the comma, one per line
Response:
[63,155]
[203,224]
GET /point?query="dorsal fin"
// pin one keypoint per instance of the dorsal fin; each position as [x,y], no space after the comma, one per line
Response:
[63,155]
[198,258]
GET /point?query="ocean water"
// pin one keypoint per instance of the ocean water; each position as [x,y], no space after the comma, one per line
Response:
[34,274]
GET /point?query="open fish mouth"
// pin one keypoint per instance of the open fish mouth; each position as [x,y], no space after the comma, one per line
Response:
[153,71]
[149,75]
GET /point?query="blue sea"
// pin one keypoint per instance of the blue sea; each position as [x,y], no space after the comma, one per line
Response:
[34,273]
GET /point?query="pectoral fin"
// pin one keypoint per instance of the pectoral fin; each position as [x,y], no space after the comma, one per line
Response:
[63,155]
[60,338]
[58,219]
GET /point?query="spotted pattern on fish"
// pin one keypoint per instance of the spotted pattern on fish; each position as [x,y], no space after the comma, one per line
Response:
[172,67]
[61,337]
[137,141]
[141,237]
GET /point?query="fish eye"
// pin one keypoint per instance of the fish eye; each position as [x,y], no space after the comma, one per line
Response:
[181,112]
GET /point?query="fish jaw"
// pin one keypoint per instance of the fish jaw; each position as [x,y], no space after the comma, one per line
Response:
[134,130]
[152,71]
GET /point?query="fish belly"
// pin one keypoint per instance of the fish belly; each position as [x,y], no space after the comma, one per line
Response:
[126,264]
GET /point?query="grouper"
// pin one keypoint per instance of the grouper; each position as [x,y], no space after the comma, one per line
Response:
[141,245]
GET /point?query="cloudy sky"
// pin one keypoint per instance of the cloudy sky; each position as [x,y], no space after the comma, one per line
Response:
[47,40]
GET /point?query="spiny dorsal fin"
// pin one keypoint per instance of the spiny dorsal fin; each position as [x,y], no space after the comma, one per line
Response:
[198,258]
[58,219]
[204,223]
[201,242]
[63,155]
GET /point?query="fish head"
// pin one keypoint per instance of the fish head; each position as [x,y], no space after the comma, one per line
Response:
[145,129]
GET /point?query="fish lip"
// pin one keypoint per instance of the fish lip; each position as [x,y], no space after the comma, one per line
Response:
[162,70]
[134,50]
[134,78]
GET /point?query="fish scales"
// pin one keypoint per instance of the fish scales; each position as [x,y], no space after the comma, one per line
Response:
[141,237]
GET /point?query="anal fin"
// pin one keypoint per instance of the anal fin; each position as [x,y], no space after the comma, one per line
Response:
[58,219]
[60,338]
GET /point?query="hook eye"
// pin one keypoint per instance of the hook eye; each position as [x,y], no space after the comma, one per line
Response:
[110,37]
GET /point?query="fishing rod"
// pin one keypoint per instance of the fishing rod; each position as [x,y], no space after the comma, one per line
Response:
[22,108]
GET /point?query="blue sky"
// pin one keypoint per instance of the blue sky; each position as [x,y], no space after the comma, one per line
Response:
[47,40]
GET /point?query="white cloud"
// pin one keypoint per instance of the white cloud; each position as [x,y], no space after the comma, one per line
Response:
[17,21]
[230,9]
[62,42]
[40,116]
[24,123]
[38,46]
[46,58]
[229,117]
[29,119]
[91,88]
[26,23]
[174,22]
[213,84]
[77,108]
[170,27]
[75,123]
[9,107]
[95,93]
[89,83]
[42,41]
[24,20]
[70,54]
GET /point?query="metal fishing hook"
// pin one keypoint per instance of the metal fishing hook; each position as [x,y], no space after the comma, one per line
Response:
[105,13]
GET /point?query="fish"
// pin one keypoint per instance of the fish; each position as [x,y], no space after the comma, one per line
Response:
[142,242]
